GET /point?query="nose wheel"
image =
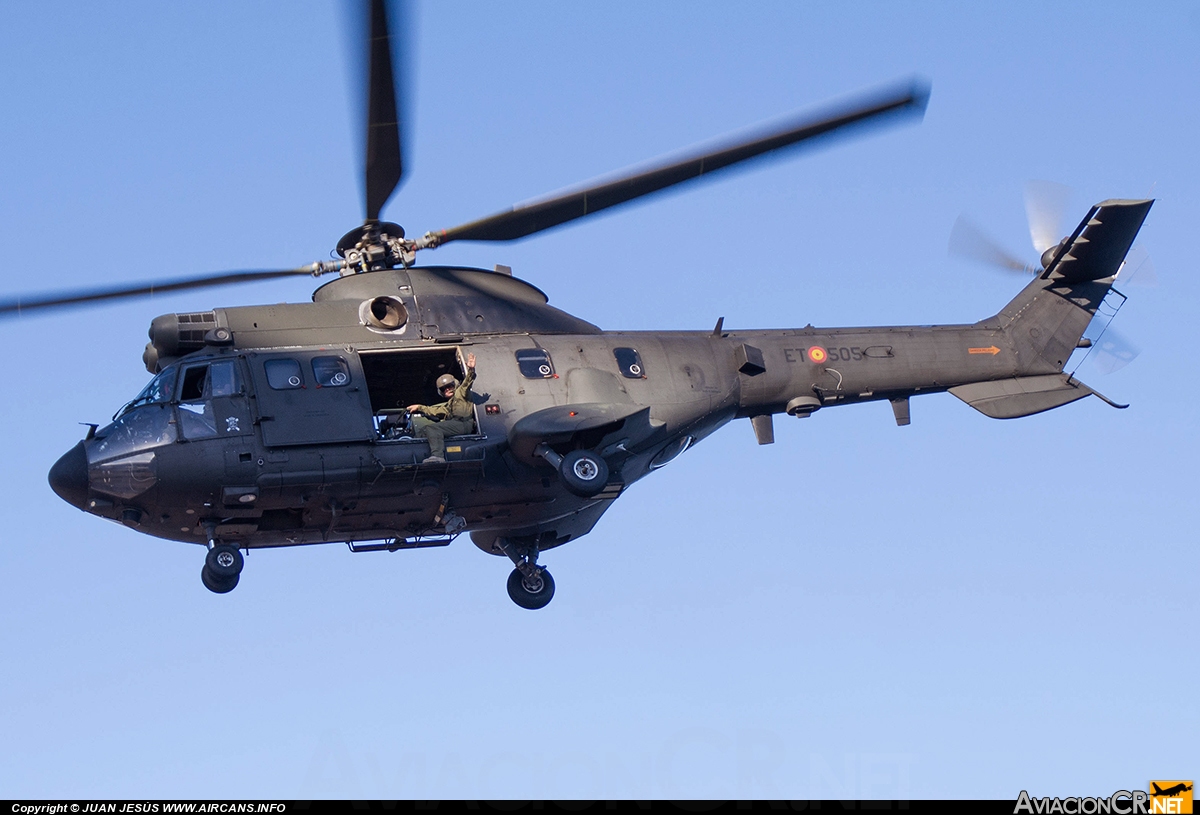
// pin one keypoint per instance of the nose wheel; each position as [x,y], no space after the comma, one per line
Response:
[531,591]
[222,567]
[217,584]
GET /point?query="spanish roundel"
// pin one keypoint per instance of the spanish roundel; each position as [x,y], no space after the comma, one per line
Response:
[818,354]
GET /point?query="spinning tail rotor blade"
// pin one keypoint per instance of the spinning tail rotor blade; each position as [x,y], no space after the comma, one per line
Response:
[1112,351]
[1138,269]
[1045,207]
[526,219]
[21,305]
[969,241]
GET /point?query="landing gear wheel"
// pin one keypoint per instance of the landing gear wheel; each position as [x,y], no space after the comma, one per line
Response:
[531,594]
[583,473]
[219,585]
[224,562]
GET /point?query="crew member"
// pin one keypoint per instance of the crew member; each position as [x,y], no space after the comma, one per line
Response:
[454,417]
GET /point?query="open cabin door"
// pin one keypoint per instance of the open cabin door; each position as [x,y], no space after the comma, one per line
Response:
[310,397]
[398,378]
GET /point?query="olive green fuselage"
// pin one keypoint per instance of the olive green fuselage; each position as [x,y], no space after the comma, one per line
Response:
[277,432]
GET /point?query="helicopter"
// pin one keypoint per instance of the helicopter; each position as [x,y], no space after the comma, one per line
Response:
[286,425]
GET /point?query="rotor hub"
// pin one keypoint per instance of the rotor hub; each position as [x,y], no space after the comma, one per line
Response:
[374,246]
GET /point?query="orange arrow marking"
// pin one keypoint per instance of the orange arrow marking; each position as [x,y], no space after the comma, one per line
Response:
[991,349]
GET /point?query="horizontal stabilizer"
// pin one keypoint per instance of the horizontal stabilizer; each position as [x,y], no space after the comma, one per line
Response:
[1022,395]
[1098,246]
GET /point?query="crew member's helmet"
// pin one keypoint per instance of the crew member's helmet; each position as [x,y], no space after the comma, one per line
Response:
[446,381]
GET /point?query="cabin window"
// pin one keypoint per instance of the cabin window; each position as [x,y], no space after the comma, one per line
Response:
[283,374]
[630,363]
[535,363]
[330,372]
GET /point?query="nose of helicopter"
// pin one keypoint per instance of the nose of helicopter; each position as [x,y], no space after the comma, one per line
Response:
[69,476]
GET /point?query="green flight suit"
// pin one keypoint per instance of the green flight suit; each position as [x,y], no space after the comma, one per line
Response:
[455,417]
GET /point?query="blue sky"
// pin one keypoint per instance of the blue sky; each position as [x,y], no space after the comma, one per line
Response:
[961,607]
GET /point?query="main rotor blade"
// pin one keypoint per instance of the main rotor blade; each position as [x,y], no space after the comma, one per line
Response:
[384,166]
[21,305]
[526,219]
[969,241]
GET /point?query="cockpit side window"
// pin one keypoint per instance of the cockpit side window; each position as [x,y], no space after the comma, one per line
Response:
[204,406]
[194,380]
[195,413]
[223,379]
[210,380]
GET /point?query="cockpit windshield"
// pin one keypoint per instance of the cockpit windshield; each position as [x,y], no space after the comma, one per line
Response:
[138,428]
[146,422]
[159,391]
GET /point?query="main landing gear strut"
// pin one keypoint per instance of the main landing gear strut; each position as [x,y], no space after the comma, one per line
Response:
[530,586]
[222,565]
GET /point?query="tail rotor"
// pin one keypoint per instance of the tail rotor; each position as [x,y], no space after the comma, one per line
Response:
[1046,206]
[969,241]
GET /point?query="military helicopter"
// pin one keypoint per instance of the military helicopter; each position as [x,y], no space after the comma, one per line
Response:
[286,425]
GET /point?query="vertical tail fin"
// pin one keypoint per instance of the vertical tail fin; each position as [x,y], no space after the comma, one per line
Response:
[1047,319]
